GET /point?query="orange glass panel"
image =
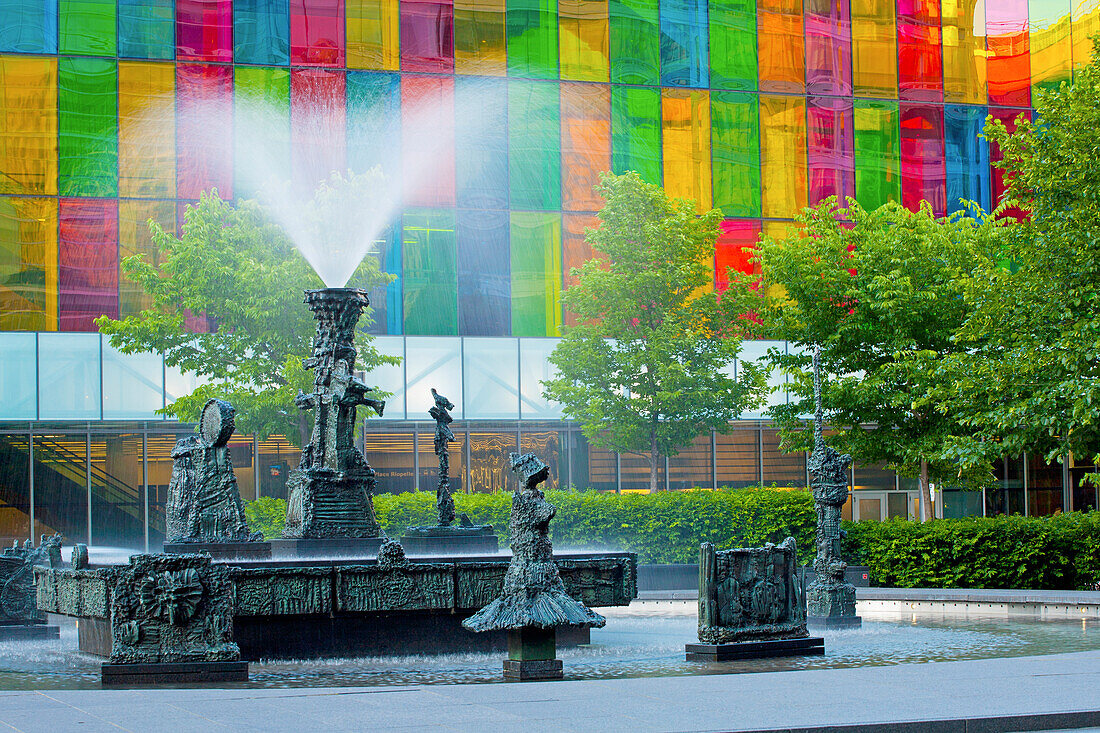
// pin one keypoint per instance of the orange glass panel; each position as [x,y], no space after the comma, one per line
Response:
[781,46]
[585,143]
[575,250]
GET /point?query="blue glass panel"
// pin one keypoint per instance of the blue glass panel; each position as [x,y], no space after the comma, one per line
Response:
[968,175]
[481,143]
[386,300]
[28,26]
[484,274]
[685,60]
[147,29]
[261,31]
[374,124]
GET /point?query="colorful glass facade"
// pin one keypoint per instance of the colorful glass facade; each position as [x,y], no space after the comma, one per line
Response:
[513,107]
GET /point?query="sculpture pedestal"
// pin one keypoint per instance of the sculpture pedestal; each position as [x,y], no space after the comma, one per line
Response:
[222,550]
[531,653]
[32,631]
[437,540]
[363,548]
[172,673]
[834,622]
[806,646]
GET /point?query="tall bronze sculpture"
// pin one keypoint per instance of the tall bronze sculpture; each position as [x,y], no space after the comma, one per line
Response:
[830,601]
[444,503]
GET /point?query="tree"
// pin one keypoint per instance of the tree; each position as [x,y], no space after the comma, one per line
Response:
[643,370]
[880,292]
[238,268]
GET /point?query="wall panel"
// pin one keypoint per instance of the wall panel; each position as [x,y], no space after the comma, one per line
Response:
[427,36]
[575,251]
[481,143]
[87,262]
[878,152]
[923,174]
[735,150]
[484,273]
[428,134]
[1050,43]
[968,173]
[634,43]
[261,128]
[88,127]
[147,29]
[534,139]
[532,29]
[28,26]
[146,129]
[317,32]
[430,273]
[373,29]
[374,123]
[261,32]
[317,127]
[874,38]
[28,125]
[1084,24]
[831,153]
[783,156]
[920,55]
[829,47]
[134,238]
[685,56]
[204,130]
[734,237]
[636,132]
[965,65]
[781,46]
[28,264]
[480,38]
[204,30]
[685,133]
[87,27]
[585,143]
[583,39]
[733,45]
[1009,53]
[536,274]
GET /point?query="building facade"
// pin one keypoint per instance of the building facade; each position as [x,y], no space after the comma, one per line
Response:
[491,120]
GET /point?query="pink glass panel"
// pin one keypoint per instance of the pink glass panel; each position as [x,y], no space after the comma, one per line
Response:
[729,250]
[920,58]
[1000,185]
[317,32]
[317,126]
[87,262]
[828,47]
[428,137]
[204,130]
[204,30]
[923,170]
[427,36]
[831,149]
[1008,43]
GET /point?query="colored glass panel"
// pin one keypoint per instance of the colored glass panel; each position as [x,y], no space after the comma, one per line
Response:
[685,57]
[582,39]
[480,46]
[783,156]
[261,128]
[87,262]
[829,47]
[534,137]
[374,124]
[147,29]
[920,57]
[923,173]
[87,127]
[204,130]
[430,273]
[636,132]
[317,32]
[1085,23]
[373,34]
[733,45]
[28,125]
[685,127]
[204,30]
[1050,44]
[28,264]
[964,51]
[387,313]
[874,38]
[878,153]
[781,45]
[831,149]
[261,32]
[736,239]
[1009,53]
[481,143]
[634,42]
[428,129]
[484,275]
[536,274]
[1000,185]
[134,238]
[735,148]
[532,27]
[88,27]
[967,162]
[427,36]
[585,143]
[28,26]
[317,126]
[575,250]
[146,129]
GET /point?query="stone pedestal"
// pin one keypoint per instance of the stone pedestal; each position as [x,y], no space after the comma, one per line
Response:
[531,655]
[172,673]
[834,622]
[222,550]
[806,646]
[476,540]
[32,631]
[831,604]
[364,548]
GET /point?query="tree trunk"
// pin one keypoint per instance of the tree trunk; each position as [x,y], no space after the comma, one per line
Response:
[653,458]
[927,512]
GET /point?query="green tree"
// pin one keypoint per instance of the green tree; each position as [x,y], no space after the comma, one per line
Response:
[644,371]
[883,298]
[234,265]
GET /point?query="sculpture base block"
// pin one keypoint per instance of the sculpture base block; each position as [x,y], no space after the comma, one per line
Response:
[222,550]
[172,673]
[806,646]
[834,622]
[33,631]
[528,670]
[336,547]
[478,540]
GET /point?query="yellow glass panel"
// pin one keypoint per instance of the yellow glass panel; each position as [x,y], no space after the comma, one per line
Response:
[874,44]
[964,51]
[582,39]
[134,238]
[685,120]
[1051,46]
[783,155]
[146,129]
[373,33]
[28,264]
[1085,23]
[28,125]
[479,38]
[778,230]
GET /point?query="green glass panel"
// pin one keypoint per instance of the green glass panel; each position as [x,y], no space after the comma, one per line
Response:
[261,127]
[536,274]
[735,151]
[733,45]
[878,167]
[88,127]
[635,42]
[534,146]
[431,274]
[636,132]
[532,27]
[87,27]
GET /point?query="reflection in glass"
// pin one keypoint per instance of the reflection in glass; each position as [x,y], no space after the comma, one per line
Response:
[17,376]
[549,446]
[429,464]
[737,458]
[391,456]
[692,467]
[15,490]
[61,486]
[492,371]
[68,379]
[489,468]
[118,500]
[782,469]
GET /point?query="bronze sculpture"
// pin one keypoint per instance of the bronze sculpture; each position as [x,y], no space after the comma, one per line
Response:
[444,503]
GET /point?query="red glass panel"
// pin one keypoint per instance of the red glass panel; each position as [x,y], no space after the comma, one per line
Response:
[831,149]
[427,36]
[1009,64]
[920,58]
[729,251]
[1000,185]
[923,171]
[317,32]
[204,30]
[87,262]
[317,124]
[204,130]
[428,139]
[828,47]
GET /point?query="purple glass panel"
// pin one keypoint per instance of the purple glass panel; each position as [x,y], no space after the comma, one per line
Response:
[829,47]
[831,149]
[204,30]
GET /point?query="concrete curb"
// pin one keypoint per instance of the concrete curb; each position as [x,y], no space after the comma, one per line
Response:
[991,724]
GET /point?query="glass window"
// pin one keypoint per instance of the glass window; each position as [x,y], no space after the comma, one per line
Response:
[28,264]
[781,41]
[733,45]
[964,50]
[61,486]
[180,384]
[691,468]
[15,489]
[276,458]
[920,56]
[133,385]
[88,27]
[534,145]
[134,238]
[869,510]
[317,125]
[204,130]
[373,34]
[1044,486]
[87,262]
[754,351]
[549,445]
[261,32]
[532,27]
[261,128]
[1050,43]
[28,96]
[534,369]
[147,29]
[958,503]
[831,155]
[734,238]
[87,126]
[28,26]
[923,172]
[877,477]
[490,470]
[1009,58]
[430,276]
[536,274]
[481,143]
[204,30]
[686,128]
[585,143]
[429,462]
[391,457]
[878,153]
[783,155]
[738,458]
[582,39]
[735,148]
[829,47]
[118,501]
[636,132]
[68,376]
[427,120]
[427,36]
[685,57]
[484,273]
[874,38]
[780,467]
[18,372]
[634,43]
[480,37]
[388,377]
[147,129]
[492,378]
[432,362]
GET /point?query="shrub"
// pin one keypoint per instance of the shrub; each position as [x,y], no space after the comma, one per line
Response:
[266,515]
